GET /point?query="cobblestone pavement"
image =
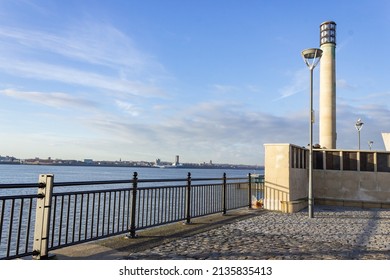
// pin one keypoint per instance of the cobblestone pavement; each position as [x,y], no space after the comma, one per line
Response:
[334,233]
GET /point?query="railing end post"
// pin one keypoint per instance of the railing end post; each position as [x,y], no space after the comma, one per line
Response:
[42,216]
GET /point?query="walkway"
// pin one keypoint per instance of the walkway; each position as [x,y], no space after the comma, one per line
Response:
[334,233]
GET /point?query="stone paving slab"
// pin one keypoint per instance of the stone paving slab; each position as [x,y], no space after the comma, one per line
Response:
[334,233]
[119,247]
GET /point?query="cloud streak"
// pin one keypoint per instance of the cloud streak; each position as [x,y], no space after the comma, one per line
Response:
[90,42]
[44,71]
[128,108]
[82,57]
[52,99]
[220,131]
[298,84]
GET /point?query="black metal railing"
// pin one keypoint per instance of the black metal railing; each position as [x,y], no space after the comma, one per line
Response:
[80,212]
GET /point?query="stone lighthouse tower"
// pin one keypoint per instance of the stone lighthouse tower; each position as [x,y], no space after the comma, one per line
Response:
[328,85]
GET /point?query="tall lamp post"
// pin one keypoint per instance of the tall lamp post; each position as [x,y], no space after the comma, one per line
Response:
[312,58]
[359,125]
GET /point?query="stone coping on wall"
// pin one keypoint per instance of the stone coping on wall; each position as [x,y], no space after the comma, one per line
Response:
[352,203]
[298,205]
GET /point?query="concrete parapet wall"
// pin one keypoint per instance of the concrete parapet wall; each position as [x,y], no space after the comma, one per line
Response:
[283,183]
[341,177]
[352,185]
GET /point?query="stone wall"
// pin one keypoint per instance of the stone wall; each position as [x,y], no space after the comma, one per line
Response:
[285,177]
[362,178]
[340,177]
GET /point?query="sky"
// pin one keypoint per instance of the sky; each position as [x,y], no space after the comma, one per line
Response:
[206,80]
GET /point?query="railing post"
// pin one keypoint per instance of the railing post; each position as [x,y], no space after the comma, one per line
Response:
[224,198]
[133,206]
[42,217]
[250,191]
[188,199]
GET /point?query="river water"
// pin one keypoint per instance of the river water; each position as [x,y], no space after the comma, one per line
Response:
[11,174]
[13,222]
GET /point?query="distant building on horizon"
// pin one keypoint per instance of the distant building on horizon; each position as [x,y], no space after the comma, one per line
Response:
[177,161]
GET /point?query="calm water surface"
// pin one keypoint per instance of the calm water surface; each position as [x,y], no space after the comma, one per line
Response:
[10,174]
[14,174]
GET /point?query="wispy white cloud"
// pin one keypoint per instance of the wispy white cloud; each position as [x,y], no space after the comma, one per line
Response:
[45,71]
[221,131]
[91,55]
[86,42]
[224,89]
[298,84]
[52,99]
[344,84]
[128,108]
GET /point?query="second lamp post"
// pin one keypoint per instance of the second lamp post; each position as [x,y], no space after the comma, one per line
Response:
[358,126]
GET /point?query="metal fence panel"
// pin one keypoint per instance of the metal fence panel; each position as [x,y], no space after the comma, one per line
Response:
[99,210]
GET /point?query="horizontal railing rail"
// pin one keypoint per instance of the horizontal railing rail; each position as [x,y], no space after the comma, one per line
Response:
[89,183]
[67,213]
[19,186]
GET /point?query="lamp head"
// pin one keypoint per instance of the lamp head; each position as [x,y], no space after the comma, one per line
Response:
[359,124]
[312,57]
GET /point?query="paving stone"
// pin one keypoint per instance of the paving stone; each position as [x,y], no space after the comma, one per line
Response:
[334,233]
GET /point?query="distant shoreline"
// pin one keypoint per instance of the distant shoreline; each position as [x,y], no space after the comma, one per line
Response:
[184,166]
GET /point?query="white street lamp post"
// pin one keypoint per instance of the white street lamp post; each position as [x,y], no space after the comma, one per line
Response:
[358,126]
[312,58]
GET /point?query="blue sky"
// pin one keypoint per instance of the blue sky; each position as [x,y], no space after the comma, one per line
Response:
[206,80]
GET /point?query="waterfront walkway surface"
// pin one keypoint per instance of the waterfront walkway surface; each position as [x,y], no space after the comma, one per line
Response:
[334,233]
